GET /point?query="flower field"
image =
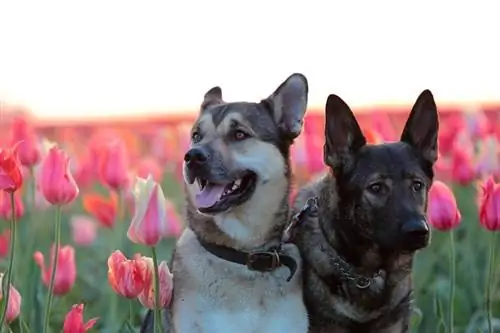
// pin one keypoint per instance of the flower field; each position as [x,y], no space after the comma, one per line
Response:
[75,188]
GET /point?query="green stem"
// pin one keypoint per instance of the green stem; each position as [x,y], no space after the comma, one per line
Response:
[116,244]
[131,312]
[157,310]
[489,284]
[452,284]
[6,290]
[57,241]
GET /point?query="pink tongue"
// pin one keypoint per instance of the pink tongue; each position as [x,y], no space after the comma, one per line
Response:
[209,196]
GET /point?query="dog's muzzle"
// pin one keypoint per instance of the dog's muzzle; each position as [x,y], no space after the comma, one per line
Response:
[415,233]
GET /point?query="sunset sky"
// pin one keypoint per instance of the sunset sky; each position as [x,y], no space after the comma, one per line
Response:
[102,58]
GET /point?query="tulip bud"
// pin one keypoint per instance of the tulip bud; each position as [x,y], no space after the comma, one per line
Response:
[73,322]
[148,224]
[442,212]
[66,269]
[55,180]
[489,207]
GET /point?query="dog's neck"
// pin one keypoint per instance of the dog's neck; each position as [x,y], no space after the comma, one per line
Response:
[246,230]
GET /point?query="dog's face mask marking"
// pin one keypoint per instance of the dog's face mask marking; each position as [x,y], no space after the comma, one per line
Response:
[384,188]
[240,150]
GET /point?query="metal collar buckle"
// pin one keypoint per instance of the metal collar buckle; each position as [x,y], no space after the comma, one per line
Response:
[263,261]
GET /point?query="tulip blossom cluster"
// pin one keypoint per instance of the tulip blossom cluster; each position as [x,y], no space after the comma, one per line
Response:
[134,278]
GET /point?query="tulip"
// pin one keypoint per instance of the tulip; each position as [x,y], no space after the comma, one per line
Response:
[73,322]
[11,176]
[113,166]
[488,157]
[444,215]
[489,210]
[4,243]
[6,206]
[165,286]
[14,302]
[83,230]
[105,210]
[65,275]
[127,277]
[443,212]
[29,148]
[489,217]
[173,221]
[11,179]
[147,166]
[55,180]
[149,222]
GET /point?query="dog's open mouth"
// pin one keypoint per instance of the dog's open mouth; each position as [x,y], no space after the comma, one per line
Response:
[215,198]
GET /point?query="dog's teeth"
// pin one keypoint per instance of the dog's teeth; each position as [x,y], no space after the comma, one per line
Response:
[237,182]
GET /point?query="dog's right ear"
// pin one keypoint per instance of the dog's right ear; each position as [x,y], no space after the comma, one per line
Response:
[212,97]
[343,136]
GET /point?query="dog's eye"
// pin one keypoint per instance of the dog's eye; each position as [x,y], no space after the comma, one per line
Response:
[239,135]
[196,137]
[417,186]
[375,188]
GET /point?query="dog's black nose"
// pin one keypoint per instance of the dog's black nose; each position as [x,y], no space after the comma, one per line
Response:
[195,156]
[415,228]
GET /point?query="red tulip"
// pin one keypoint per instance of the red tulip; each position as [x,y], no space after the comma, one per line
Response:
[6,206]
[443,213]
[14,305]
[73,323]
[147,296]
[113,166]
[104,209]
[489,208]
[55,180]
[127,277]
[29,148]
[65,271]
[11,176]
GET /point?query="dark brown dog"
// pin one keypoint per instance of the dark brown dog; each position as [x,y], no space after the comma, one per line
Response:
[358,251]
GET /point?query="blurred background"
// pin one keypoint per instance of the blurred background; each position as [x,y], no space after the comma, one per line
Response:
[83,73]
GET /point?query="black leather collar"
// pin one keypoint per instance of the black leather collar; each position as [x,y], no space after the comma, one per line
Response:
[262,261]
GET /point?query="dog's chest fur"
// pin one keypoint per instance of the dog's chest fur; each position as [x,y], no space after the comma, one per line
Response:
[337,306]
[214,295]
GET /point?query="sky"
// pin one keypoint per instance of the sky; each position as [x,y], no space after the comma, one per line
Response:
[107,57]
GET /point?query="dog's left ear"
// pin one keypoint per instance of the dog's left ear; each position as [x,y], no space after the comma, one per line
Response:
[422,126]
[289,104]
[212,97]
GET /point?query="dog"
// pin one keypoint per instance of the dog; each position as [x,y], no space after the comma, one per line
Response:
[230,272]
[358,252]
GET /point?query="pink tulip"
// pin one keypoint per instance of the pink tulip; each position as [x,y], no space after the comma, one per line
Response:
[83,230]
[55,180]
[113,165]
[148,223]
[147,296]
[65,272]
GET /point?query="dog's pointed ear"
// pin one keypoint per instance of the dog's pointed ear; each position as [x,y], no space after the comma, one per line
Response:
[212,97]
[343,136]
[289,104]
[422,126]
